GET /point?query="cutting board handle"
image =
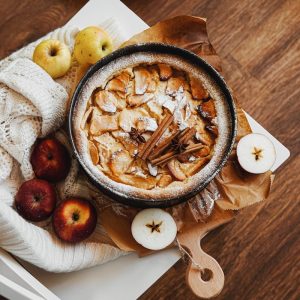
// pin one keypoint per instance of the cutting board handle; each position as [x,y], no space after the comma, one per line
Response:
[204,275]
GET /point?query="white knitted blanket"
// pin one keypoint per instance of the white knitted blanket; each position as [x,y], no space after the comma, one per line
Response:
[33,105]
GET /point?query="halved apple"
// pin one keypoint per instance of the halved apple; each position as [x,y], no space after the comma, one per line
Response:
[256,153]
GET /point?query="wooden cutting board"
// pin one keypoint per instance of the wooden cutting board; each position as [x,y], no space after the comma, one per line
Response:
[204,275]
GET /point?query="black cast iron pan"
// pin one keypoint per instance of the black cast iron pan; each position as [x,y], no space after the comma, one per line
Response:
[196,61]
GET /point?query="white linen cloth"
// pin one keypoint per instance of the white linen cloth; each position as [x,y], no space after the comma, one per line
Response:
[33,105]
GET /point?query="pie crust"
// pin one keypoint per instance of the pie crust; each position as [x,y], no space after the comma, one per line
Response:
[151,126]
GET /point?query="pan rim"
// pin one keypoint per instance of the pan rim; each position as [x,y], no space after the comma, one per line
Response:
[194,59]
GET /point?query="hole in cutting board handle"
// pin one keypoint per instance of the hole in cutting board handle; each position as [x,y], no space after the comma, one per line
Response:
[206,274]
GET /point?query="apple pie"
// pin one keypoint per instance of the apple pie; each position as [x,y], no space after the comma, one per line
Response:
[150,125]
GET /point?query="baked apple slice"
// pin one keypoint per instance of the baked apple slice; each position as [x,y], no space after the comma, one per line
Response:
[120,161]
[119,83]
[109,142]
[154,80]
[164,180]
[165,72]
[146,124]
[198,90]
[106,101]
[212,129]
[94,153]
[175,84]
[139,182]
[137,100]
[128,117]
[174,167]
[155,110]
[207,110]
[203,152]
[193,168]
[86,117]
[102,123]
[129,144]
[142,80]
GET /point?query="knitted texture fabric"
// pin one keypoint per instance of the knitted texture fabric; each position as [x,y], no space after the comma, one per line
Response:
[33,105]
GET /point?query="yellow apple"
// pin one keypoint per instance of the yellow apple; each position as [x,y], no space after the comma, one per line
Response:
[91,44]
[53,56]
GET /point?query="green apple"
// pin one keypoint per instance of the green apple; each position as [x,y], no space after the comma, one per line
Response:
[53,56]
[91,44]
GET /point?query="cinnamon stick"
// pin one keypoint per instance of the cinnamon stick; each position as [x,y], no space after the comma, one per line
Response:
[188,135]
[196,168]
[150,144]
[183,132]
[164,158]
[172,154]
[185,138]
[164,145]
[193,148]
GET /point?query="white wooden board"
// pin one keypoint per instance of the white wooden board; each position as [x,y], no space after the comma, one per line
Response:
[129,276]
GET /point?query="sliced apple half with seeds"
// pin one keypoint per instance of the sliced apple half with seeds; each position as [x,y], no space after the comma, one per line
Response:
[256,153]
[154,228]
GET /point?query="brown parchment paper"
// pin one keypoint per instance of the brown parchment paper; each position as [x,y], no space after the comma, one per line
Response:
[238,188]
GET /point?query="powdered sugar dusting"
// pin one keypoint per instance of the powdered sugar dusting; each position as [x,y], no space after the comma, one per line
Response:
[147,124]
[176,188]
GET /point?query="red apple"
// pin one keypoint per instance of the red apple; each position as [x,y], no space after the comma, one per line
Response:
[50,160]
[74,220]
[36,200]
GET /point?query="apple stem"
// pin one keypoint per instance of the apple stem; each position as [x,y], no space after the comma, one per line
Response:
[37,198]
[75,217]
[53,52]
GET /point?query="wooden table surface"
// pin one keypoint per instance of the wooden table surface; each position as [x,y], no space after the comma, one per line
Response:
[259,43]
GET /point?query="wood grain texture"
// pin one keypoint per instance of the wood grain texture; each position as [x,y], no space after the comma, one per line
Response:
[259,43]
[22,22]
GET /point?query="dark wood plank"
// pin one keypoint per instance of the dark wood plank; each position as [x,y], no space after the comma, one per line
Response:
[258,42]
[22,22]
